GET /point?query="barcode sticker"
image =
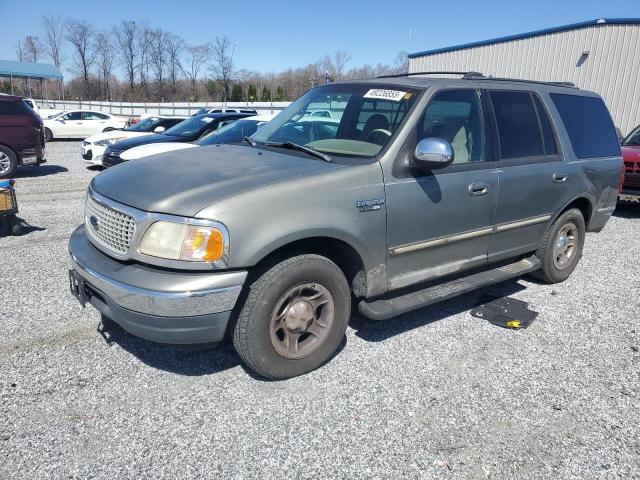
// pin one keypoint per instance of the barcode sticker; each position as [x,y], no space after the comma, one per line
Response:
[393,95]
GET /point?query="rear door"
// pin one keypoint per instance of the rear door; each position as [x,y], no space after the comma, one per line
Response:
[533,178]
[94,122]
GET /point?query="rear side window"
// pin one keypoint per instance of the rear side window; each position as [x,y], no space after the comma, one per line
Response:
[588,124]
[518,126]
[11,108]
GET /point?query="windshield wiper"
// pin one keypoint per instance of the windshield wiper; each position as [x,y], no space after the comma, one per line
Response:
[249,140]
[300,148]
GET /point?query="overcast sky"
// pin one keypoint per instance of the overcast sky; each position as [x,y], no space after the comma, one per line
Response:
[275,35]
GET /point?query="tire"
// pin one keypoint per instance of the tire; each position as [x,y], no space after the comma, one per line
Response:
[108,129]
[8,162]
[48,136]
[279,334]
[556,266]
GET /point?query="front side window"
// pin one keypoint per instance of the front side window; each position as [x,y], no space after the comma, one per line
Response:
[633,139]
[455,116]
[357,120]
[588,124]
[73,116]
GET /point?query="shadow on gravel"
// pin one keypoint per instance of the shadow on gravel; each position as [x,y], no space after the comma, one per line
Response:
[174,359]
[627,210]
[377,331]
[95,168]
[39,171]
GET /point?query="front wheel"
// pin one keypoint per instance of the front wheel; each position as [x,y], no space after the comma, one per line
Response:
[294,317]
[561,247]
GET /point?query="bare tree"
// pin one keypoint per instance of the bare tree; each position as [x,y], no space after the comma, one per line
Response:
[54,32]
[20,51]
[144,56]
[175,46]
[223,63]
[158,57]
[80,34]
[126,35]
[196,57]
[33,48]
[335,64]
[401,62]
[105,53]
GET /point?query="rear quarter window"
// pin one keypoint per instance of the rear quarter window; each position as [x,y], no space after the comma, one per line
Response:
[588,124]
[12,108]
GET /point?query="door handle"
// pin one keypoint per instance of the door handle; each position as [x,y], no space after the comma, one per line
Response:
[477,189]
[560,177]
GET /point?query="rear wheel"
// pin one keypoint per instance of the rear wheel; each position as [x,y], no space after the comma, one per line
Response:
[109,129]
[294,317]
[561,247]
[48,136]
[8,162]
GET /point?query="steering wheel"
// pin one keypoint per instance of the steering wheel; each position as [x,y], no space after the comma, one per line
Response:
[374,134]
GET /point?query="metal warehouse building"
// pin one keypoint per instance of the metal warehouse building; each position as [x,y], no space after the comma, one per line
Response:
[600,55]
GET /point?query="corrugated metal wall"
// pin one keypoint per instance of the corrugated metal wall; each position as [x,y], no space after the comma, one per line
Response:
[612,68]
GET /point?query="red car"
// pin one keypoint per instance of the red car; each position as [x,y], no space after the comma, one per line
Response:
[21,135]
[631,156]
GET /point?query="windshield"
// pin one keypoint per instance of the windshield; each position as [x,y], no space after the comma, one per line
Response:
[232,133]
[190,127]
[145,125]
[357,120]
[633,140]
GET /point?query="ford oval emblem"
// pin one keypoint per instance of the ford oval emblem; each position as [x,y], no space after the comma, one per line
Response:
[93,220]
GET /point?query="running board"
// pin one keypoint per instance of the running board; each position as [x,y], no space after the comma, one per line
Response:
[383,309]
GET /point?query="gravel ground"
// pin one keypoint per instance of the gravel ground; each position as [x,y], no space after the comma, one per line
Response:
[435,393]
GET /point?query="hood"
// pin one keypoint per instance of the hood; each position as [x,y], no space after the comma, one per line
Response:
[114,134]
[152,149]
[148,138]
[186,181]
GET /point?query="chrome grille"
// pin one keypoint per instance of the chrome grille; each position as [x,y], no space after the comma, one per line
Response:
[109,227]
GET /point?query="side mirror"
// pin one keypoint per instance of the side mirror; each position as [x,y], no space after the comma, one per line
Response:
[433,153]
[158,130]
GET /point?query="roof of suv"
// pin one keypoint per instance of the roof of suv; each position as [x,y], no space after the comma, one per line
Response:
[9,98]
[412,80]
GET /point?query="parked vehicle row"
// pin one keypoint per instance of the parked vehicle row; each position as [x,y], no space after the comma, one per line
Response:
[414,190]
[188,130]
[93,147]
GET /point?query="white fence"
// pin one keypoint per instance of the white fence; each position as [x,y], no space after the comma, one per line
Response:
[128,109]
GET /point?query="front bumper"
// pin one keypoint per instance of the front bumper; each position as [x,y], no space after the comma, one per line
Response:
[160,305]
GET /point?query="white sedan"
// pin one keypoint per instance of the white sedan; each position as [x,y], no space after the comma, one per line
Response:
[80,124]
[93,147]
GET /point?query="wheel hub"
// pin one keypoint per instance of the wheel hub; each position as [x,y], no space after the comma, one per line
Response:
[299,316]
[301,320]
[565,246]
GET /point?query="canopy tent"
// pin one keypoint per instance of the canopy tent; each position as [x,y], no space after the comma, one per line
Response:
[28,70]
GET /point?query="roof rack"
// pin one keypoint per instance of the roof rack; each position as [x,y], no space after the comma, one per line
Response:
[412,74]
[479,76]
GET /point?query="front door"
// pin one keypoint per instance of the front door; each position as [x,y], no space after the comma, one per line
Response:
[440,222]
[93,123]
[71,125]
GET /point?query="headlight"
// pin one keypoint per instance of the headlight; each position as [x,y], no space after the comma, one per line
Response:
[179,241]
[108,141]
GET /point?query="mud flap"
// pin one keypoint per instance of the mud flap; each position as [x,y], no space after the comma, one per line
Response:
[504,312]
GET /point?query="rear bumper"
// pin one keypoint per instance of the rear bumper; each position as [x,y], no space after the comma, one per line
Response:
[158,305]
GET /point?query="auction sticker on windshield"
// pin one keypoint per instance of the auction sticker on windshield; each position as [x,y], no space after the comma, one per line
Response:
[394,95]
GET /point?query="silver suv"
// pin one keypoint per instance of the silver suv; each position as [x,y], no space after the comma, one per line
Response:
[413,190]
